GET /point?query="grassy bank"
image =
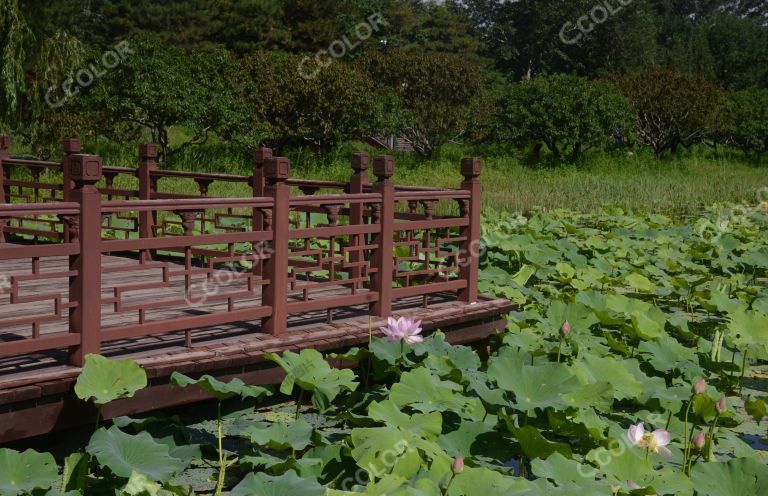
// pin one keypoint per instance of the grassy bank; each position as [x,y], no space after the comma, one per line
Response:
[638,182]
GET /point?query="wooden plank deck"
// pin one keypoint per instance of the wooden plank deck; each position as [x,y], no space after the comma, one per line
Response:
[42,382]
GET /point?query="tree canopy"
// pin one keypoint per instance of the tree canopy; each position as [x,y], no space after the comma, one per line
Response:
[434,71]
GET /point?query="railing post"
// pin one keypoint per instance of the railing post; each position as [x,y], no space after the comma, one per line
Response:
[72,146]
[383,256]
[260,156]
[147,165]
[471,168]
[85,285]
[275,294]
[5,176]
[357,184]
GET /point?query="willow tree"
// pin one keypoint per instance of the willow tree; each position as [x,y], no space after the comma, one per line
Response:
[14,34]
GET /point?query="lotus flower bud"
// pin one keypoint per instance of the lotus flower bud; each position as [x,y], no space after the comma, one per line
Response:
[721,406]
[458,465]
[565,329]
[700,440]
[700,387]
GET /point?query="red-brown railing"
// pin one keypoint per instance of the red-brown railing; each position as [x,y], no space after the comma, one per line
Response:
[121,264]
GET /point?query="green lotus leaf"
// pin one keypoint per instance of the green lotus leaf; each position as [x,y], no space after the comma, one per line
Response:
[534,386]
[75,471]
[569,474]
[26,471]
[598,395]
[644,326]
[640,283]
[280,435]
[288,484]
[311,372]
[462,357]
[390,450]
[392,485]
[622,464]
[139,485]
[428,425]
[666,354]
[124,454]
[749,331]
[220,390]
[483,481]
[756,408]
[535,445]
[387,450]
[478,439]
[106,380]
[591,369]
[425,392]
[737,477]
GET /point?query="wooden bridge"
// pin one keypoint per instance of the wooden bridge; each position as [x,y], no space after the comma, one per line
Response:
[208,285]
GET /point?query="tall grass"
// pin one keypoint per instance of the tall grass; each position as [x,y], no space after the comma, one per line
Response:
[684,183]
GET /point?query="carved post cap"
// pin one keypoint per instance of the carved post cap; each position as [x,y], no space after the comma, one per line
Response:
[71,146]
[147,151]
[471,167]
[85,169]
[360,161]
[261,155]
[384,167]
[277,169]
[5,142]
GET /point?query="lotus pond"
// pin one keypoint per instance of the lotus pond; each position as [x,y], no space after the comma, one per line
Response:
[636,364]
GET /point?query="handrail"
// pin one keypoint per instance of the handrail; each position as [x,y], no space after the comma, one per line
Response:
[282,253]
[25,209]
[184,204]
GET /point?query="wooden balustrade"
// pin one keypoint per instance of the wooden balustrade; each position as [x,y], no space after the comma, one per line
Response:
[261,258]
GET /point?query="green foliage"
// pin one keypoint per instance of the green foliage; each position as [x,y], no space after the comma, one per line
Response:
[105,380]
[739,49]
[673,108]
[289,484]
[564,113]
[746,117]
[124,453]
[310,372]
[220,390]
[303,103]
[441,95]
[158,86]
[23,472]
[734,478]
[14,33]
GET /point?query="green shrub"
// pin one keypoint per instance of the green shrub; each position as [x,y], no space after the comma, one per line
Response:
[674,108]
[746,121]
[563,112]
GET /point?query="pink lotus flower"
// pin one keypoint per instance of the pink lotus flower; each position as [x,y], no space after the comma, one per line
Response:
[403,329]
[565,329]
[700,440]
[458,465]
[721,405]
[655,441]
[700,387]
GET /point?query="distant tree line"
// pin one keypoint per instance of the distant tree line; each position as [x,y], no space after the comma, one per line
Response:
[561,76]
